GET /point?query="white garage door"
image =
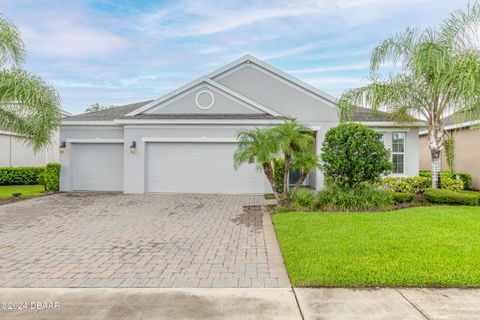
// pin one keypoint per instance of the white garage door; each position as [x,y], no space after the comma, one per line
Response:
[199,168]
[97,166]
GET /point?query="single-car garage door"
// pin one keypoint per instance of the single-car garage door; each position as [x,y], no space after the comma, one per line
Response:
[199,168]
[97,166]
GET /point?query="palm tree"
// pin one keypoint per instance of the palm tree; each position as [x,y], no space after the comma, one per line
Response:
[257,146]
[28,106]
[439,75]
[292,137]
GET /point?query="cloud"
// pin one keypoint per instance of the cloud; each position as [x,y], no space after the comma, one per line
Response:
[54,30]
[115,52]
[354,66]
[72,41]
[327,82]
[193,18]
[290,52]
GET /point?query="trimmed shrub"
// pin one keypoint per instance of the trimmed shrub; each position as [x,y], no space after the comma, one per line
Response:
[352,154]
[402,197]
[21,175]
[472,192]
[465,177]
[450,197]
[451,184]
[425,173]
[303,198]
[364,197]
[406,184]
[52,177]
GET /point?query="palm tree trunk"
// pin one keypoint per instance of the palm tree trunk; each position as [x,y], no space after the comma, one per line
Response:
[435,170]
[268,170]
[300,181]
[287,174]
[436,140]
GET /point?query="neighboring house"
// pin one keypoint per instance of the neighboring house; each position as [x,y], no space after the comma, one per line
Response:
[185,141]
[15,152]
[467,151]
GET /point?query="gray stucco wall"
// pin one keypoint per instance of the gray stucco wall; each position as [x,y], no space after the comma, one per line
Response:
[288,100]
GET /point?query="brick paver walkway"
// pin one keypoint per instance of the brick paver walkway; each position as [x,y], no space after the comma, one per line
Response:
[113,240]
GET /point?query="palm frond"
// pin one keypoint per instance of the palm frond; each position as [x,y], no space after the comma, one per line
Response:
[399,95]
[29,107]
[396,48]
[254,146]
[461,29]
[12,48]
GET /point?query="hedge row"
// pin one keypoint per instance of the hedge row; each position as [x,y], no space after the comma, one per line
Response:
[48,176]
[450,197]
[21,175]
[406,184]
[465,177]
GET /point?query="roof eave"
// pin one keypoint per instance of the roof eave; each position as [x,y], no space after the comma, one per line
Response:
[409,124]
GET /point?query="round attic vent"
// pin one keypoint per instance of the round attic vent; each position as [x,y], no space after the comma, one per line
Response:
[204,100]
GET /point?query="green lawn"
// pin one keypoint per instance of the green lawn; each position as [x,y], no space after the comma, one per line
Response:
[30,190]
[423,246]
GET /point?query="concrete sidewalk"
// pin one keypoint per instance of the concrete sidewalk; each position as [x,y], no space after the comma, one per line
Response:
[242,304]
[155,303]
[379,304]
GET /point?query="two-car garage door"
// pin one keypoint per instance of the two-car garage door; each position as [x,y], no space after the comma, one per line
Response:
[183,167]
[198,168]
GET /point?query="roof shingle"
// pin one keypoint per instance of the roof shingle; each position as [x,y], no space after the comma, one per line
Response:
[107,114]
[120,112]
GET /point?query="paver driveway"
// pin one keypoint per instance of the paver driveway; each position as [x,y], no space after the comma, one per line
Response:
[113,240]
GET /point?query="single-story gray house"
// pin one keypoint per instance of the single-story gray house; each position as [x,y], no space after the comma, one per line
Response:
[184,141]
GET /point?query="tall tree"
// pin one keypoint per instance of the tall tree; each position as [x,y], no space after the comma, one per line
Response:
[439,75]
[97,107]
[28,106]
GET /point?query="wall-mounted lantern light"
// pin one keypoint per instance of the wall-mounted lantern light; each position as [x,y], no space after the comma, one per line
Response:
[62,147]
[133,147]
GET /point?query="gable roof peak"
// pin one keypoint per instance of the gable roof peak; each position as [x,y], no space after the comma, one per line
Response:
[195,83]
[272,70]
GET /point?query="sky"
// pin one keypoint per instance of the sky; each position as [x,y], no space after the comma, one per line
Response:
[118,52]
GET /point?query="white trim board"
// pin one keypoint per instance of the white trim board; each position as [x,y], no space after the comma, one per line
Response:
[456,126]
[89,123]
[95,140]
[198,121]
[391,124]
[187,140]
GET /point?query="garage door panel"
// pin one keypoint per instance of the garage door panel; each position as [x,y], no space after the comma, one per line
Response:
[199,168]
[98,167]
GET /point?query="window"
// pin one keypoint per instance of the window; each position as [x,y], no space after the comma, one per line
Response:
[398,152]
